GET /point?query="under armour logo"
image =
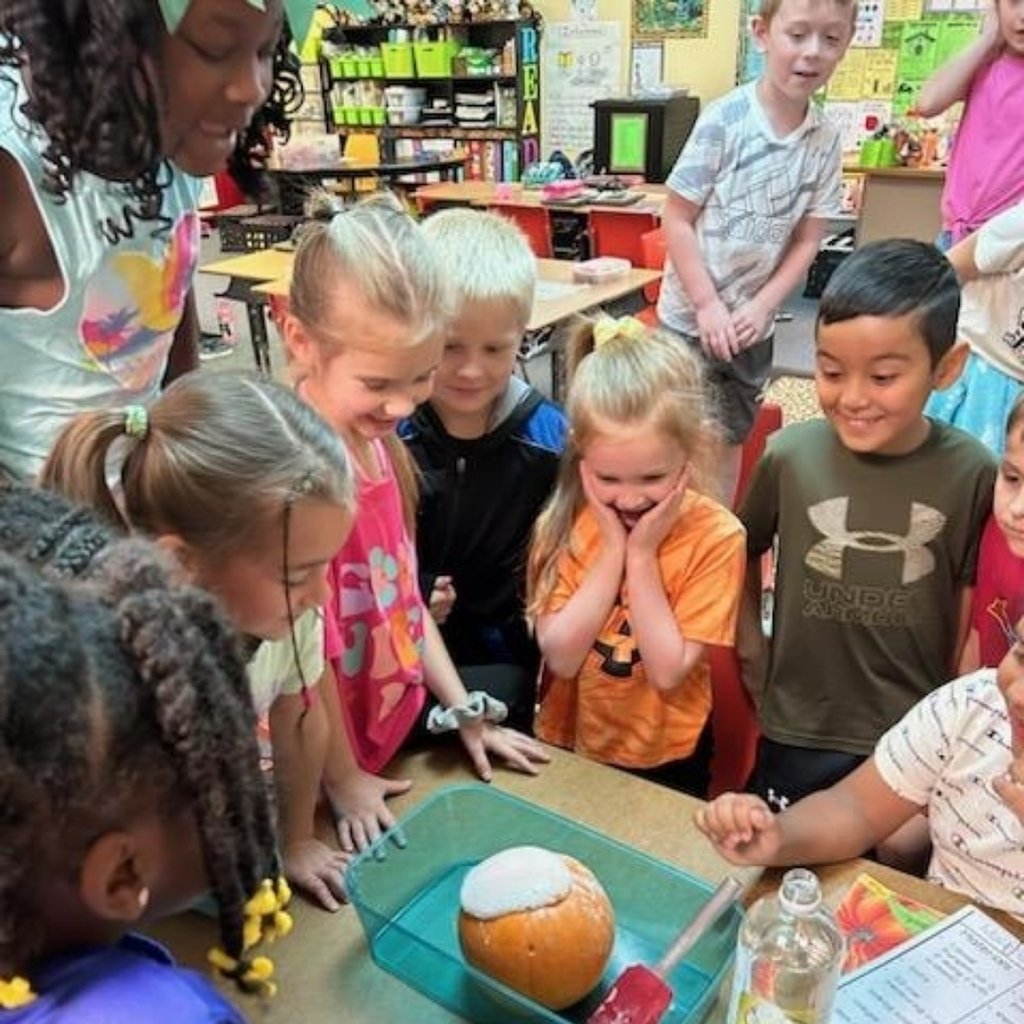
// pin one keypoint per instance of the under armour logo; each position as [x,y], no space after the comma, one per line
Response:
[777,801]
[829,518]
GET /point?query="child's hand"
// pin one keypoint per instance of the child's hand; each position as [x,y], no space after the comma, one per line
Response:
[316,869]
[750,322]
[612,530]
[514,748]
[741,828]
[654,525]
[716,330]
[360,809]
[1010,788]
[442,597]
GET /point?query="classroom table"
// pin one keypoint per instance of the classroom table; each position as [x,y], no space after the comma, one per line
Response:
[487,193]
[244,272]
[558,298]
[324,967]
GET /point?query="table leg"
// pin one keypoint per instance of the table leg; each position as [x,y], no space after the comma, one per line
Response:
[240,290]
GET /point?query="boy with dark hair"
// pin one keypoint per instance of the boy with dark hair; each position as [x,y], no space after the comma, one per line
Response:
[877,512]
[748,201]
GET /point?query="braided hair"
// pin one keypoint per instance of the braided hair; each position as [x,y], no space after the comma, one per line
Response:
[119,697]
[95,98]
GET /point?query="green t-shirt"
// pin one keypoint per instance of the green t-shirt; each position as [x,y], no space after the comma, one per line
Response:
[873,552]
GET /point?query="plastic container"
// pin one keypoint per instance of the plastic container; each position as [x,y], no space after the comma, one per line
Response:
[407,899]
[378,116]
[405,96]
[789,954]
[600,270]
[434,59]
[398,60]
[404,115]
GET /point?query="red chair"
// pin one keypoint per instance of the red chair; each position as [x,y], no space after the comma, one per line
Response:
[655,250]
[619,233]
[733,719]
[533,221]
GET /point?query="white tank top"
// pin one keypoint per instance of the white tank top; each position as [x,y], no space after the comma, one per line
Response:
[106,341]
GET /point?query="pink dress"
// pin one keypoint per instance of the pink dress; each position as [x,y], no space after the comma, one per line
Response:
[374,622]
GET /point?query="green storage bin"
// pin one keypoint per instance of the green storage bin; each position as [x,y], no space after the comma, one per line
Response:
[336,64]
[349,67]
[351,115]
[397,58]
[363,67]
[366,115]
[338,115]
[377,115]
[434,60]
[405,890]
[376,67]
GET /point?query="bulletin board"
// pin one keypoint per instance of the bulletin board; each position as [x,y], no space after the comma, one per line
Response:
[897,45]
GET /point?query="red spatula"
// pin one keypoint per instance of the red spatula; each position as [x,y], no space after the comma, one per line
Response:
[640,994]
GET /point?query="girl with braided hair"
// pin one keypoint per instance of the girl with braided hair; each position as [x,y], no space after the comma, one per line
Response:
[252,493]
[110,110]
[129,785]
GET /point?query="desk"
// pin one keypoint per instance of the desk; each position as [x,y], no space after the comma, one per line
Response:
[296,183]
[574,298]
[901,202]
[245,272]
[324,967]
[484,194]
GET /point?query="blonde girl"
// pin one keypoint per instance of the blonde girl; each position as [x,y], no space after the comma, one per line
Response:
[252,493]
[633,572]
[366,327]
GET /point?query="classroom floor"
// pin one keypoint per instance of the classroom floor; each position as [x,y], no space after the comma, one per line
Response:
[791,386]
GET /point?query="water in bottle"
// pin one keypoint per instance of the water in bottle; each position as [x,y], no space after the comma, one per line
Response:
[788,957]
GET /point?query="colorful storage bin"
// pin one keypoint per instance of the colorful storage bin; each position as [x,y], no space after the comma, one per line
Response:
[398,60]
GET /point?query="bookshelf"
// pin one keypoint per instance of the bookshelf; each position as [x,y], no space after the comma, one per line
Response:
[470,85]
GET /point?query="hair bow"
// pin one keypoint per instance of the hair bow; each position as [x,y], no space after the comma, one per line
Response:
[624,327]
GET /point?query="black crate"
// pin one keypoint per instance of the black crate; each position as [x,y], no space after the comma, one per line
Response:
[248,234]
[833,251]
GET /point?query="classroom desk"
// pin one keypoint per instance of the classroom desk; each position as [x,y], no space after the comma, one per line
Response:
[567,299]
[325,970]
[485,194]
[899,202]
[244,272]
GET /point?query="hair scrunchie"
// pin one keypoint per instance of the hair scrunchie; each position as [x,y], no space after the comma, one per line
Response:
[136,421]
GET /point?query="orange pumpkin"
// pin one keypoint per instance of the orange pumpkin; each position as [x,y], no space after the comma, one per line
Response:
[554,954]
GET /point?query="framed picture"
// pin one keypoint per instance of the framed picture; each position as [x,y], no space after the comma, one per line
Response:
[657,19]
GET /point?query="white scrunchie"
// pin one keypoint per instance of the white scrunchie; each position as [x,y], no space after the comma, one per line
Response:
[478,705]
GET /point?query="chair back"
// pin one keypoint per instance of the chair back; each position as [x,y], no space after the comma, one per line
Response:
[533,221]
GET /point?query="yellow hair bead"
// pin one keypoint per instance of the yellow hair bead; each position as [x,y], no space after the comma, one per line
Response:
[221,961]
[284,892]
[624,327]
[15,993]
[252,932]
[264,902]
[281,926]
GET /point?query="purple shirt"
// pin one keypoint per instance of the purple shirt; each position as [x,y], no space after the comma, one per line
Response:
[132,982]
[986,164]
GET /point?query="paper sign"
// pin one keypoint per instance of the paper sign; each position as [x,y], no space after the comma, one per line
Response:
[629,142]
[648,67]
[903,10]
[918,43]
[868,28]
[954,35]
[879,73]
[964,970]
[847,81]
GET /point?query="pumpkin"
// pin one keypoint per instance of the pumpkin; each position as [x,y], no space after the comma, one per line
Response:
[539,922]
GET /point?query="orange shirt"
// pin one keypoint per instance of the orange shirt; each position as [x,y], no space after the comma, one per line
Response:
[608,712]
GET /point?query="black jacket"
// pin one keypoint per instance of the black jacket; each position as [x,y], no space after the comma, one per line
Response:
[479,500]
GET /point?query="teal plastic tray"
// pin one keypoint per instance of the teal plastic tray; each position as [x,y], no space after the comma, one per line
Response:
[405,889]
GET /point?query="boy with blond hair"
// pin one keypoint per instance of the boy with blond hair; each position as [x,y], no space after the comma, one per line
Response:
[488,446]
[748,201]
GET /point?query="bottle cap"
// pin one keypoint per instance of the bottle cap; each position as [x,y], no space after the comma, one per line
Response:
[800,894]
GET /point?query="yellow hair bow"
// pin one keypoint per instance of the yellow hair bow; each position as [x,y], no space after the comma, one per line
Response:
[624,327]
[15,993]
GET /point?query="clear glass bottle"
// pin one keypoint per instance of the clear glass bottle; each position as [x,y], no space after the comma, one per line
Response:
[788,957]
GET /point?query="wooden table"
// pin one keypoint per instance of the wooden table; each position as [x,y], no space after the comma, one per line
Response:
[573,298]
[244,272]
[324,967]
[487,193]
[901,202]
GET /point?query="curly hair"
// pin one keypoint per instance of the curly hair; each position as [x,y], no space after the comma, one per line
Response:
[120,698]
[98,104]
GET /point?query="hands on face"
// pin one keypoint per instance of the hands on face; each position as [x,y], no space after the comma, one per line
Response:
[656,523]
